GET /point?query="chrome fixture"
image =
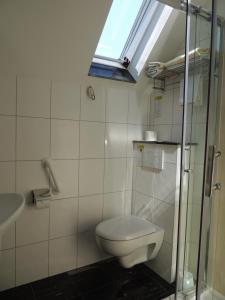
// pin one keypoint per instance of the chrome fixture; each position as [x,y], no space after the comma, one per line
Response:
[91,93]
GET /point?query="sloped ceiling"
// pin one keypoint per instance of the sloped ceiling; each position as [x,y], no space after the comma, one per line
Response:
[168,45]
[52,38]
[57,38]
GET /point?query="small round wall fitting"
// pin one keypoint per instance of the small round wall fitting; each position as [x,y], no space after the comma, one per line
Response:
[91,93]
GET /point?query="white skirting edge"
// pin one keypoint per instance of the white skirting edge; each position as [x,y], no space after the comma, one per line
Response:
[211,294]
[208,294]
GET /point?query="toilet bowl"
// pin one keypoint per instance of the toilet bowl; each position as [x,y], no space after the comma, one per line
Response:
[131,239]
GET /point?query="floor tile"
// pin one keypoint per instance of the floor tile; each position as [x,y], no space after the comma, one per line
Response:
[105,280]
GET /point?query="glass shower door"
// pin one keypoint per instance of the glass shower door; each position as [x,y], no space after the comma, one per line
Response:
[198,147]
[211,187]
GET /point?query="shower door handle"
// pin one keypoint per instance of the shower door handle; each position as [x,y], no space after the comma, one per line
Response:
[212,154]
[209,171]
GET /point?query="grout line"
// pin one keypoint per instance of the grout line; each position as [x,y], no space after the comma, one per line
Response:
[69,119]
[50,152]
[33,117]
[31,244]
[16,167]
[104,166]
[155,198]
[127,175]
[76,254]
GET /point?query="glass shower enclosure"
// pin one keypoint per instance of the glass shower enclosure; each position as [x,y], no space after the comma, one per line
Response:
[200,151]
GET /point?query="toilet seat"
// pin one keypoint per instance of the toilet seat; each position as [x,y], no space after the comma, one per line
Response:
[125,228]
[131,239]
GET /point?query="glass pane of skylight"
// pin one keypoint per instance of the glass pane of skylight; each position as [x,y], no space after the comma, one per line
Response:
[117,27]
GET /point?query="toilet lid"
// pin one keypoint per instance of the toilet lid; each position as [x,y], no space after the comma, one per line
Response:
[124,228]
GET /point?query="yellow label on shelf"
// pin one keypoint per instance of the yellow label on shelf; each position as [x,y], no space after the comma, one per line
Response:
[158,97]
[140,147]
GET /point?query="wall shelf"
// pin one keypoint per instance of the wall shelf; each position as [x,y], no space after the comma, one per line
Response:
[168,143]
[157,143]
[197,62]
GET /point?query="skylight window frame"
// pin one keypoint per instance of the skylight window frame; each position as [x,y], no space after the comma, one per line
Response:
[147,19]
[138,29]
[130,36]
[143,20]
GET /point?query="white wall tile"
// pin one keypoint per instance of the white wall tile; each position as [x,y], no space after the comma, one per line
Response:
[33,138]
[129,176]
[176,133]
[162,264]
[171,153]
[91,173]
[32,226]
[7,138]
[117,105]
[7,269]
[63,217]
[90,212]
[31,263]
[195,216]
[7,95]
[164,109]
[30,175]
[161,185]
[177,107]
[198,136]
[65,101]
[33,97]
[92,139]
[114,205]
[163,216]
[7,175]
[88,251]
[62,255]
[128,203]
[64,139]
[142,206]
[66,172]
[134,132]
[116,140]
[163,132]
[9,237]
[138,108]
[151,114]
[203,31]
[115,175]
[197,183]
[93,110]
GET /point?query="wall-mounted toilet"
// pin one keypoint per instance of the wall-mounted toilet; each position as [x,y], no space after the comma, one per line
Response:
[131,239]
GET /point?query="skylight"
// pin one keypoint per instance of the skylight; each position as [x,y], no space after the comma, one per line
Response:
[119,23]
[131,31]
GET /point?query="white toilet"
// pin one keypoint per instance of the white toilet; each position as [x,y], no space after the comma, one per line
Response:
[131,239]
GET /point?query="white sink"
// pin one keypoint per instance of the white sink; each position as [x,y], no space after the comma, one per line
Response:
[11,206]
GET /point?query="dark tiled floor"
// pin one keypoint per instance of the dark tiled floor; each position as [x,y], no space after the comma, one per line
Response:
[103,281]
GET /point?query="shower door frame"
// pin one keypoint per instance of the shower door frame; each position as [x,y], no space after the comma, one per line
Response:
[211,147]
[208,142]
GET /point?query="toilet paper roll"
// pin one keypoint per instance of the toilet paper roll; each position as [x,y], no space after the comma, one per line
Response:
[150,135]
[41,198]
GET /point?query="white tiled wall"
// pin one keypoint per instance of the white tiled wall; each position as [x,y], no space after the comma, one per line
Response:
[90,143]
[155,198]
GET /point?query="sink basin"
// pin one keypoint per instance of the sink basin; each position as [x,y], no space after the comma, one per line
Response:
[11,206]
